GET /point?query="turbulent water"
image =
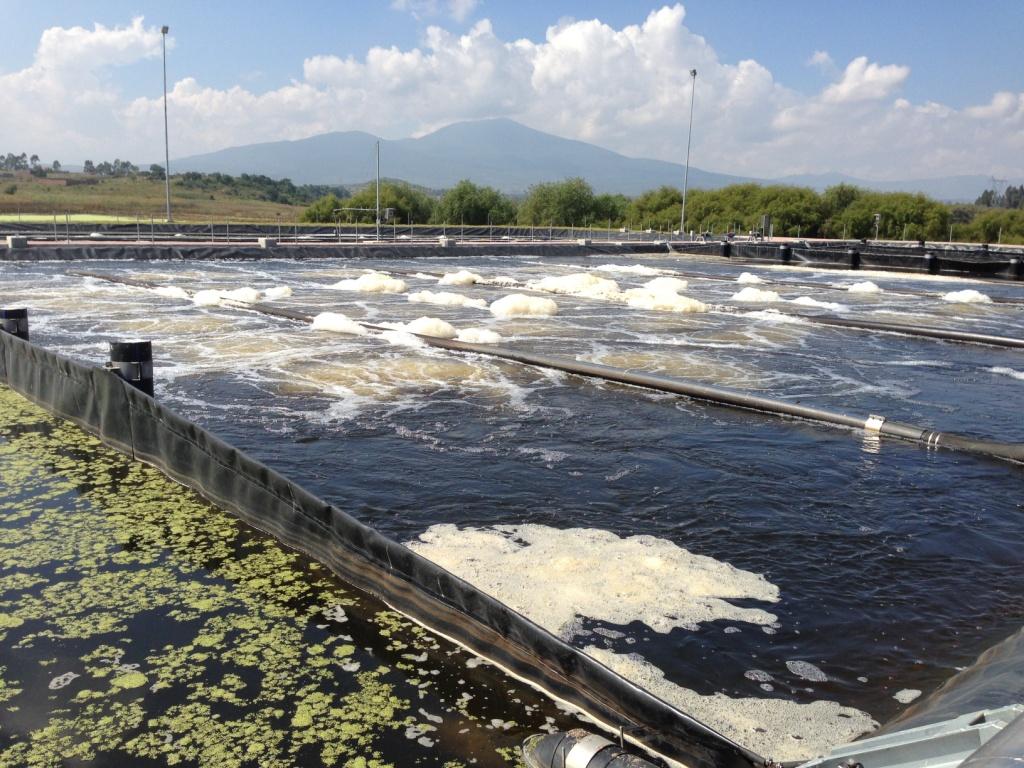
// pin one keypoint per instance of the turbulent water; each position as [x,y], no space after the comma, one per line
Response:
[863,568]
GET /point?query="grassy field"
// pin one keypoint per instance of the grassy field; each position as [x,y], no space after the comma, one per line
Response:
[122,199]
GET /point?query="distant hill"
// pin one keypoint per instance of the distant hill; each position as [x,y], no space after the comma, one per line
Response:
[500,153]
[505,154]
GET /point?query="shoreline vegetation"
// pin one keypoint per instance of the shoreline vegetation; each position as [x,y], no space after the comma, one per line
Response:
[121,193]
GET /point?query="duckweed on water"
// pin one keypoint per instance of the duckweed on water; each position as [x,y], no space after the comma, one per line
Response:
[139,622]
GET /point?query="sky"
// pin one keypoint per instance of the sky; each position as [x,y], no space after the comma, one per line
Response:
[878,90]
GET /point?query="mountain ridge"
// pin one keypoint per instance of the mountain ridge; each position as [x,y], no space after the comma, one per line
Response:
[502,153]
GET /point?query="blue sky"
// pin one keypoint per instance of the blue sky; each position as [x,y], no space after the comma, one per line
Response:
[928,68]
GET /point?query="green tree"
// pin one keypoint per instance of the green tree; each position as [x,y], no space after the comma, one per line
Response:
[657,208]
[559,203]
[471,204]
[322,210]
[406,202]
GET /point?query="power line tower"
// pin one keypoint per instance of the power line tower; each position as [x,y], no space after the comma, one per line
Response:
[998,191]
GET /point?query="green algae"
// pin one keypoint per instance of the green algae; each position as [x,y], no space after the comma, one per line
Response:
[153,626]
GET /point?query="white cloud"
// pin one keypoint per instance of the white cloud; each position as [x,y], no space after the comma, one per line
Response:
[822,60]
[624,88]
[864,80]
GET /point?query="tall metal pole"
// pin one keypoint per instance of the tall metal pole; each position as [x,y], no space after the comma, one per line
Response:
[686,173]
[167,151]
[378,191]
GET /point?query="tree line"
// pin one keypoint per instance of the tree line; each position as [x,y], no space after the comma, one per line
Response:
[256,186]
[1013,197]
[24,162]
[841,211]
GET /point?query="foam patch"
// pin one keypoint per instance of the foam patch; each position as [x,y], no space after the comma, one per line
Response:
[555,576]
[171,292]
[967,296]
[213,297]
[777,728]
[478,336]
[431,326]
[866,287]
[372,282]
[462,277]
[634,269]
[337,322]
[748,278]
[756,294]
[277,292]
[807,301]
[520,305]
[578,284]
[446,299]
[641,298]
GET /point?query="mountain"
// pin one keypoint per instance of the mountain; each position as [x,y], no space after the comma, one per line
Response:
[500,153]
[505,154]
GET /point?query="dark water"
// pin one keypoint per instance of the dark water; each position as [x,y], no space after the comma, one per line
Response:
[895,564]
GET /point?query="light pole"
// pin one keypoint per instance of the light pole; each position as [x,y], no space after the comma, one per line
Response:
[167,151]
[689,135]
[378,191]
[878,219]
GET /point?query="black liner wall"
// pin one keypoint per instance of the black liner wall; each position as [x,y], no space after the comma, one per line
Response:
[1005,264]
[208,252]
[124,418]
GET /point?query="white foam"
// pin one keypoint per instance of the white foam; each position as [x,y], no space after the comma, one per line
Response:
[206,298]
[578,284]
[278,292]
[1007,372]
[773,315]
[212,297]
[446,299]
[431,326]
[642,298]
[243,295]
[756,294]
[866,287]
[666,285]
[907,695]
[171,292]
[462,277]
[748,278]
[372,282]
[554,576]
[634,269]
[784,730]
[399,338]
[967,296]
[807,301]
[335,321]
[520,305]
[478,336]
[807,671]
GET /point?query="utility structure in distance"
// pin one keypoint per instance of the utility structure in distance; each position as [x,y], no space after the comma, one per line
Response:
[689,135]
[167,151]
